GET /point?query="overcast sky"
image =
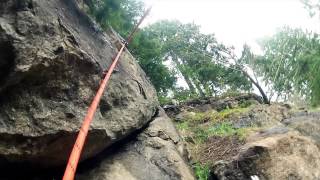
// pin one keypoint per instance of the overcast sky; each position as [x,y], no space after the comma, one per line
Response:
[235,22]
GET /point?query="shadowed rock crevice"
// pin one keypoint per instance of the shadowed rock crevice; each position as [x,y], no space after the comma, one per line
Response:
[145,155]
[7,60]
[29,170]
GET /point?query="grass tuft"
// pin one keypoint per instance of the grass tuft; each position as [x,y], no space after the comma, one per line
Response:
[202,171]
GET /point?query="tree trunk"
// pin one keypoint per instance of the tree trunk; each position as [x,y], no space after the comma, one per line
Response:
[185,76]
[199,89]
[263,94]
[189,82]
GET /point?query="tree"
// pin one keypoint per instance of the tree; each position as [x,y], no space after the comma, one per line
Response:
[247,58]
[173,40]
[313,6]
[196,56]
[147,51]
[290,64]
[122,15]
[119,14]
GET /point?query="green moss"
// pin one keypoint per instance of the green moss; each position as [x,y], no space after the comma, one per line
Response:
[197,117]
[314,109]
[228,112]
[202,171]
[183,125]
[201,135]
[213,116]
[245,103]
[164,100]
[202,126]
[223,129]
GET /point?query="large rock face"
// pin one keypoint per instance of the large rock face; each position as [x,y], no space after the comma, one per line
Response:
[52,58]
[152,155]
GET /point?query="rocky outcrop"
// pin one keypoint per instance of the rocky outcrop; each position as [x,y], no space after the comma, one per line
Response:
[221,103]
[278,156]
[212,103]
[307,123]
[262,115]
[52,57]
[241,140]
[152,155]
[289,150]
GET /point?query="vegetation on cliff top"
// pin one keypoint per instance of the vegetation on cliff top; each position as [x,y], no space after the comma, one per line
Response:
[212,136]
[289,64]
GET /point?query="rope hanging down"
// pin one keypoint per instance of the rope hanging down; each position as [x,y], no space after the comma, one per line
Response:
[78,146]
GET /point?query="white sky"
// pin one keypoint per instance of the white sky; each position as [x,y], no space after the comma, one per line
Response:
[235,22]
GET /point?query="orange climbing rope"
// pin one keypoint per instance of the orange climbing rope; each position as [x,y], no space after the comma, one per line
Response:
[78,145]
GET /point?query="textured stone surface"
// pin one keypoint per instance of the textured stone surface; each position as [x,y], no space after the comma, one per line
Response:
[279,156]
[152,155]
[221,102]
[212,103]
[308,124]
[263,116]
[52,57]
[289,150]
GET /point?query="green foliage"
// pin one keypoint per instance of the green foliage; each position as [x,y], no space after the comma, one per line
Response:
[122,15]
[216,124]
[200,117]
[202,171]
[147,51]
[243,133]
[197,58]
[313,6]
[201,135]
[183,125]
[227,129]
[291,64]
[119,14]
[245,104]
[215,117]
[183,94]
[227,112]
[164,100]
[223,129]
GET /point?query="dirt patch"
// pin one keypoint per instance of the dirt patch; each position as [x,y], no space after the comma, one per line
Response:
[220,148]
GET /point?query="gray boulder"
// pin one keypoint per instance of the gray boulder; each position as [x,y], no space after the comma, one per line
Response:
[308,124]
[152,155]
[277,156]
[52,57]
